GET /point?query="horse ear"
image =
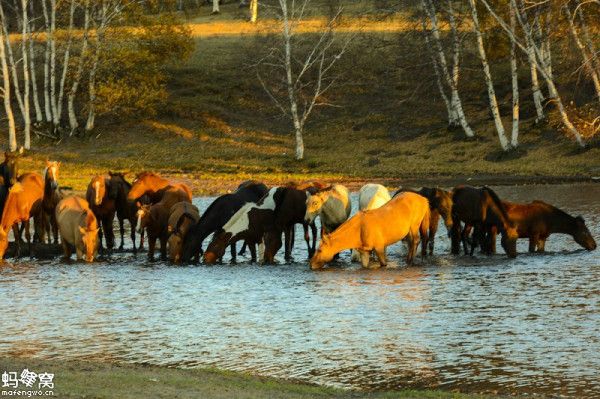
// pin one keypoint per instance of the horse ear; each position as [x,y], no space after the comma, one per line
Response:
[82,230]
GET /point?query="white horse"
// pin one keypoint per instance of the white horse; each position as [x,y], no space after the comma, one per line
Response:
[332,205]
[370,196]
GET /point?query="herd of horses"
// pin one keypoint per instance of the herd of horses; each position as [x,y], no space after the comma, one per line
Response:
[264,218]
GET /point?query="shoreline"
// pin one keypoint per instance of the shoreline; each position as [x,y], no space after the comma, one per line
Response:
[84,379]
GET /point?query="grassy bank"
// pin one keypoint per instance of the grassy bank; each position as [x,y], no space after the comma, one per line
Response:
[79,379]
[218,127]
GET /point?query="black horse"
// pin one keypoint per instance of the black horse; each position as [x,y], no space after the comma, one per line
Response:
[217,214]
[9,171]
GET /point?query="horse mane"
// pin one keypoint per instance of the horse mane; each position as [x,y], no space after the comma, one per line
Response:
[323,189]
[90,220]
[553,208]
[498,203]
[16,188]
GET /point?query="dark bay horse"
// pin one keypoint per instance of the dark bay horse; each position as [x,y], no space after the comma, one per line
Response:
[103,207]
[182,217]
[52,197]
[154,186]
[538,220]
[9,171]
[440,204]
[118,190]
[217,214]
[482,209]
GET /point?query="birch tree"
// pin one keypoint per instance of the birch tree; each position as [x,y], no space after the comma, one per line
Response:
[307,67]
[253,10]
[73,122]
[456,111]
[6,90]
[215,7]
[514,70]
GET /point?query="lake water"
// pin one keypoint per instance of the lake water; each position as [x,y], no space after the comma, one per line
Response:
[476,324]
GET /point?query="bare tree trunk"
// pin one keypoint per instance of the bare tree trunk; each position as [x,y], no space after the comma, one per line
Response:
[514,137]
[91,119]
[587,61]
[455,120]
[215,4]
[36,100]
[456,103]
[488,79]
[253,10]
[73,123]
[538,97]
[12,131]
[51,38]
[24,51]
[67,55]
[438,76]
[47,101]
[589,43]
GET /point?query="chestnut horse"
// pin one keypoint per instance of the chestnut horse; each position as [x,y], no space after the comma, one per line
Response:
[155,219]
[440,205]
[182,217]
[482,209]
[52,197]
[154,186]
[24,201]
[538,220]
[404,217]
[370,196]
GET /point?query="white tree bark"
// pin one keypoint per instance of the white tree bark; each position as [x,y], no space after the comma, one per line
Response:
[36,100]
[91,118]
[215,7]
[49,38]
[52,39]
[587,60]
[456,103]
[540,64]
[12,131]
[253,10]
[488,79]
[438,75]
[65,67]
[26,81]
[514,137]
[73,122]
[589,42]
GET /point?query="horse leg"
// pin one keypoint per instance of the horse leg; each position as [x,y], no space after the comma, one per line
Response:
[27,235]
[491,241]
[433,226]
[455,234]
[100,234]
[122,232]
[163,248]
[313,229]
[151,246]
[252,252]
[464,237]
[110,233]
[243,250]
[409,254]
[233,253]
[288,238]
[424,233]
[533,240]
[17,235]
[365,257]
[541,244]
[133,225]
[66,249]
[380,252]
[54,224]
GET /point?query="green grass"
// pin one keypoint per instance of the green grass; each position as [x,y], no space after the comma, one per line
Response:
[218,126]
[82,379]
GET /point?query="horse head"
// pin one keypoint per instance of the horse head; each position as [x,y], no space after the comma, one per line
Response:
[3,242]
[11,167]
[442,201]
[98,186]
[89,236]
[582,235]
[314,203]
[216,248]
[115,184]
[143,216]
[509,240]
[323,254]
[51,174]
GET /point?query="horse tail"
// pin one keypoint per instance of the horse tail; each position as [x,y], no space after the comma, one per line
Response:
[497,203]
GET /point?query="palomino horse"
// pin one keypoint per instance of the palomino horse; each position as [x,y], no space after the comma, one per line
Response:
[370,196]
[78,228]
[538,220]
[440,204]
[404,217]
[24,201]
[118,189]
[217,214]
[482,209]
[154,186]
[155,219]
[183,215]
[331,204]
[52,197]
[103,206]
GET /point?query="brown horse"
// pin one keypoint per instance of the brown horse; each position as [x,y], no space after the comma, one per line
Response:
[118,189]
[482,209]
[538,220]
[404,217]
[155,219]
[154,186]
[52,197]
[78,228]
[440,204]
[103,206]
[182,217]
[9,171]
[24,201]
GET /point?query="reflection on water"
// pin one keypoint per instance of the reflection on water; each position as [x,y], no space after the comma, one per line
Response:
[528,325]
